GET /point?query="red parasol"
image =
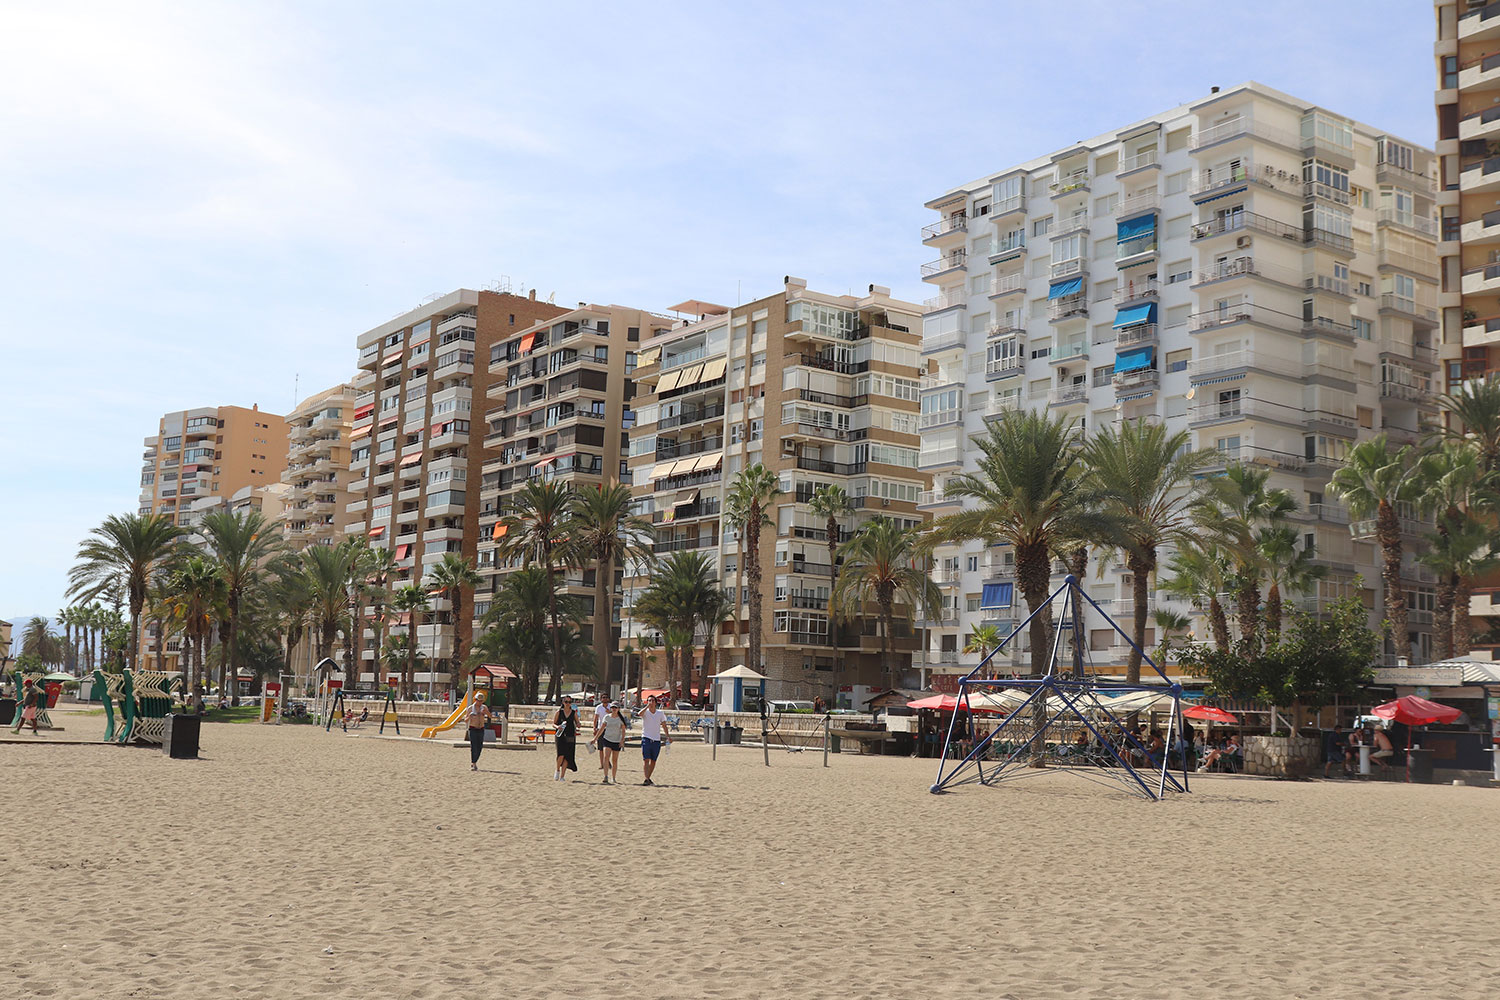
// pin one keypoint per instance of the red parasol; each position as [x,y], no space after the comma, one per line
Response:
[949,703]
[1414,711]
[1209,713]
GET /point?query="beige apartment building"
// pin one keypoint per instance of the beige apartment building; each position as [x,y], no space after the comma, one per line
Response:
[208,452]
[413,458]
[317,470]
[556,410]
[820,389]
[1467,54]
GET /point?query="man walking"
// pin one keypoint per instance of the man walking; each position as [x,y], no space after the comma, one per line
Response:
[479,718]
[653,734]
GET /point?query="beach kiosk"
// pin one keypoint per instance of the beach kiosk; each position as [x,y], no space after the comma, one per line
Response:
[739,689]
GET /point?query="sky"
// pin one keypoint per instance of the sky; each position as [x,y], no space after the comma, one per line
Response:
[205,204]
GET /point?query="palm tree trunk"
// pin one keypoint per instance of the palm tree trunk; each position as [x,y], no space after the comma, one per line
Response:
[555,684]
[887,662]
[410,680]
[1388,535]
[1443,618]
[1218,623]
[1463,625]
[603,574]
[1273,614]
[1033,574]
[752,554]
[462,638]
[1247,612]
[1140,578]
[833,586]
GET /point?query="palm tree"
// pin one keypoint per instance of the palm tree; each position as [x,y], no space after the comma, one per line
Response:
[126,548]
[983,639]
[1148,481]
[714,609]
[542,529]
[411,601]
[291,602]
[1168,623]
[1289,570]
[448,579]
[242,543]
[882,561]
[380,570]
[515,628]
[674,604]
[1460,549]
[754,491]
[199,597]
[64,617]
[1373,482]
[609,534]
[1472,557]
[38,639]
[1475,408]
[831,503]
[1242,504]
[400,655]
[1200,573]
[325,573]
[1029,490]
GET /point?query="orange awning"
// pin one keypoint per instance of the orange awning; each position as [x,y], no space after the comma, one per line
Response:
[377,531]
[402,550]
[436,429]
[411,459]
[527,341]
[360,412]
[388,423]
[391,356]
[499,532]
[360,432]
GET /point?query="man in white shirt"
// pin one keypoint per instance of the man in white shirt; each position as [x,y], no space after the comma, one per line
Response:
[653,734]
[601,711]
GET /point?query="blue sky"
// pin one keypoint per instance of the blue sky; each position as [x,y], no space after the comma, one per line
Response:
[205,203]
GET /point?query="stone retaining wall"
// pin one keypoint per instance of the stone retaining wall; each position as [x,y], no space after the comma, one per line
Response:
[1282,756]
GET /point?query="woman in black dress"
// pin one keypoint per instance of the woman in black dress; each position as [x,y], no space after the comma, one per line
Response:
[566,724]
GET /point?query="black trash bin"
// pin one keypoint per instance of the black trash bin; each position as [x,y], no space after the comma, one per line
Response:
[180,738]
[1419,765]
[733,734]
[7,711]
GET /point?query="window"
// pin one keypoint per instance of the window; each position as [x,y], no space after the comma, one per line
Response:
[1178,360]
[758,359]
[1450,72]
[756,426]
[1363,328]
[1178,182]
[1181,270]
[1178,227]
[1042,226]
[1177,140]
[1067,248]
[1363,288]
[973,564]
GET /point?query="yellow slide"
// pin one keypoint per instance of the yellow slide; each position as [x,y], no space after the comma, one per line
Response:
[449,722]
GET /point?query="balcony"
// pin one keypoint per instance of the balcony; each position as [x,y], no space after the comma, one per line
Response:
[1007,284]
[462,320]
[1067,307]
[1242,127]
[998,368]
[1254,455]
[823,362]
[1069,268]
[1136,290]
[1072,182]
[1136,250]
[1007,206]
[1211,184]
[1068,395]
[1480,280]
[1248,267]
[1408,221]
[1069,354]
[1240,223]
[947,340]
[1483,176]
[1479,125]
[1008,249]
[954,225]
[1420,310]
[1485,229]
[946,265]
[1136,204]
[937,498]
[1482,74]
[1140,380]
[1480,25]
[952,298]
[936,458]
[1131,336]
[1407,387]
[1143,160]
[831,468]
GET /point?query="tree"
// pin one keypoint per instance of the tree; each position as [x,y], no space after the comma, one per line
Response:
[412,602]
[610,535]
[1168,624]
[1289,570]
[449,578]
[831,503]
[1200,573]
[125,549]
[325,573]
[1461,549]
[380,571]
[983,639]
[38,640]
[242,543]
[1373,482]
[754,491]
[681,593]
[1028,489]
[1450,483]
[1475,409]
[882,562]
[541,529]
[290,604]
[715,608]
[1241,504]
[1147,481]
[514,631]
[199,597]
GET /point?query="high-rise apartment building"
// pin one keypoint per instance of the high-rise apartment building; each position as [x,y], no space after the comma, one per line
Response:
[819,388]
[1248,267]
[208,452]
[557,409]
[317,470]
[412,457]
[1468,138]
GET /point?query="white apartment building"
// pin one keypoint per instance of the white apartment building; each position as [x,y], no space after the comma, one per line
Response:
[1249,267]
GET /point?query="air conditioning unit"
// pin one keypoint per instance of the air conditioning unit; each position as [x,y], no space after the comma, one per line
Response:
[884,502]
[788,448]
[1243,241]
[1062,372]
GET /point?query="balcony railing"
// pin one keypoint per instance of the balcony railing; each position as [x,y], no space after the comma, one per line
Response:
[947,300]
[1135,246]
[1141,378]
[945,263]
[1003,367]
[1068,268]
[1242,126]
[1068,395]
[1141,333]
[943,341]
[690,416]
[956,223]
[1074,180]
[1007,284]
[1235,222]
[1130,291]
[826,363]
[1144,158]
[831,468]
[1419,308]
[1067,307]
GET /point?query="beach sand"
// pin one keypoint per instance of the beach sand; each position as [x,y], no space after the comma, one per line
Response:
[132,875]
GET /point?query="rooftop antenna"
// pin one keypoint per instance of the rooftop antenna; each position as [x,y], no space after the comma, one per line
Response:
[296,379]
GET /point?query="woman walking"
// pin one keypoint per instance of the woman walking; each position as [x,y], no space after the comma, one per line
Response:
[479,717]
[611,737]
[31,703]
[566,724]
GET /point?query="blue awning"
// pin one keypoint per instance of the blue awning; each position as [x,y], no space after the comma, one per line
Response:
[1131,228]
[1134,359]
[1144,313]
[997,595]
[1070,287]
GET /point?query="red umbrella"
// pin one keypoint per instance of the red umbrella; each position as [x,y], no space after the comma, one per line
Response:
[949,703]
[1414,711]
[1210,713]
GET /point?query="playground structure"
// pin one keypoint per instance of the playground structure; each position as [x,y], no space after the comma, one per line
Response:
[1065,720]
[487,681]
[336,704]
[143,697]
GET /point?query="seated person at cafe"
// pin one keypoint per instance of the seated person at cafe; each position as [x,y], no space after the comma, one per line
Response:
[1228,753]
[1383,750]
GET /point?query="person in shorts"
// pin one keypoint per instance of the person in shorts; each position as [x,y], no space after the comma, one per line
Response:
[601,712]
[1384,751]
[611,738]
[31,702]
[1336,751]
[653,735]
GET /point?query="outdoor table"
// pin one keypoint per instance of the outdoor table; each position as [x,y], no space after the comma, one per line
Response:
[1364,758]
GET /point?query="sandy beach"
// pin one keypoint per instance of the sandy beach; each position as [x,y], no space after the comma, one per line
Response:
[231,875]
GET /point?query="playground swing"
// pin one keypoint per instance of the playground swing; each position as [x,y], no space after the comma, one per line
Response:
[1062,703]
[387,713]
